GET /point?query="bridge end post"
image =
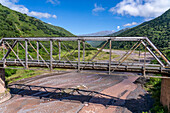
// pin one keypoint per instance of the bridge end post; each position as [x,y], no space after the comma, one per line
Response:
[4,94]
[51,55]
[78,65]
[110,56]
[59,47]
[165,93]
[26,54]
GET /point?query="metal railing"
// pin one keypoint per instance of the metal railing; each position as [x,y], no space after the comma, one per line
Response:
[66,62]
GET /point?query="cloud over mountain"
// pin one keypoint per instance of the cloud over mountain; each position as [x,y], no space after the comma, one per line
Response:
[142,8]
[130,24]
[21,8]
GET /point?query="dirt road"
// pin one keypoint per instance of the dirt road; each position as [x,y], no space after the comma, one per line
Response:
[90,94]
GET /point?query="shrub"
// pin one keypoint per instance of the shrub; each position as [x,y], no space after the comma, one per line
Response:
[9,72]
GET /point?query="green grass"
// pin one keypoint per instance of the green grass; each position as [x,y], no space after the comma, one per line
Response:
[21,74]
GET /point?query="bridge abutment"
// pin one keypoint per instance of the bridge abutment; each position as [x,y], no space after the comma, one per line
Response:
[165,93]
[2,80]
[4,94]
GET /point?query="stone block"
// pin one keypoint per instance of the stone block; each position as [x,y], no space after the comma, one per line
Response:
[165,93]
[2,80]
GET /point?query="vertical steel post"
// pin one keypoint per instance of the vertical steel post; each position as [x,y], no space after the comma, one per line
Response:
[59,47]
[144,70]
[110,57]
[26,54]
[4,60]
[78,55]
[3,48]
[51,55]
[139,54]
[84,51]
[38,51]
[17,50]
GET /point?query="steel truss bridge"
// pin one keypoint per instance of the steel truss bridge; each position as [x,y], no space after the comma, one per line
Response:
[49,44]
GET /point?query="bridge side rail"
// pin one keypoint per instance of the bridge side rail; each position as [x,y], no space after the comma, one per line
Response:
[50,64]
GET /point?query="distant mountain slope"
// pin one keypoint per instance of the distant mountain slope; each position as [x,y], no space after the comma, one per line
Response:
[118,32]
[15,24]
[100,33]
[157,30]
[97,43]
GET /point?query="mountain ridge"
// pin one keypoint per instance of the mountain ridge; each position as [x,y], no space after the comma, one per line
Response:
[157,30]
[118,32]
[100,33]
[16,24]
[97,43]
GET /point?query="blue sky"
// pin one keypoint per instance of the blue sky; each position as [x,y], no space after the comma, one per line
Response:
[88,16]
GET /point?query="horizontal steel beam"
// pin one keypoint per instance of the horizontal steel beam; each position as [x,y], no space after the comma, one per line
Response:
[99,67]
[95,66]
[97,38]
[82,62]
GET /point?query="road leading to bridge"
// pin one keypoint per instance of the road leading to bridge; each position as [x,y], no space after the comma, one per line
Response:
[47,94]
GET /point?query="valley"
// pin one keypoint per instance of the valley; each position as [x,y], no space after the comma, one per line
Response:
[66,91]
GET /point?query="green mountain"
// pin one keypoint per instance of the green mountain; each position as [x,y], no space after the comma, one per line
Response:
[15,24]
[157,30]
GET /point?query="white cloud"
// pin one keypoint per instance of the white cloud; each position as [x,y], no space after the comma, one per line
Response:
[97,8]
[118,27]
[41,15]
[130,24]
[21,8]
[142,8]
[54,1]
[54,16]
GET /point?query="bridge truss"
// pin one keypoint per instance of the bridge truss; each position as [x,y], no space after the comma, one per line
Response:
[54,58]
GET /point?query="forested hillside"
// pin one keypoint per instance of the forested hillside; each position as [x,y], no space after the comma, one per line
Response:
[157,30]
[15,24]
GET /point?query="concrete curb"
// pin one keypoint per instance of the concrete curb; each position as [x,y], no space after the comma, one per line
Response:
[4,97]
[2,82]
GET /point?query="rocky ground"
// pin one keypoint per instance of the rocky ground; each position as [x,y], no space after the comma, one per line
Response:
[133,57]
[75,92]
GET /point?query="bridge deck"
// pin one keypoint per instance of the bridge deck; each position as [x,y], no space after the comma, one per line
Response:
[126,66]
